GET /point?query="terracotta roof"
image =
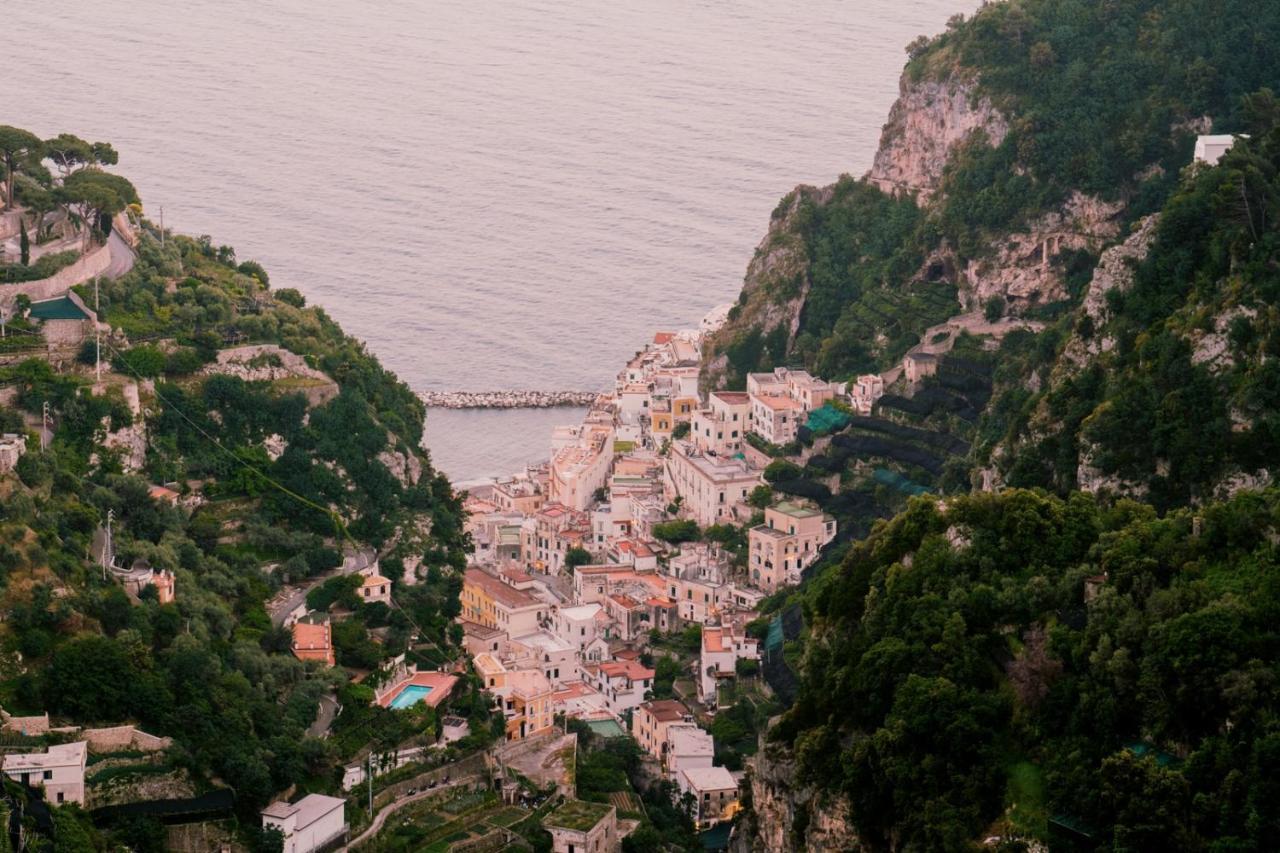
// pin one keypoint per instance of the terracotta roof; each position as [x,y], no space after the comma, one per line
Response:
[663,337]
[712,640]
[499,591]
[779,404]
[630,669]
[665,710]
[307,636]
[625,601]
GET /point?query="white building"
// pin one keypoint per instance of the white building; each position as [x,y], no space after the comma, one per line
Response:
[1211,149]
[721,426]
[546,652]
[622,682]
[580,625]
[59,771]
[309,824]
[711,487]
[722,648]
[714,791]
[689,747]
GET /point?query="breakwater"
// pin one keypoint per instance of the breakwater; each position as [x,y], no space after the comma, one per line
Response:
[507,399]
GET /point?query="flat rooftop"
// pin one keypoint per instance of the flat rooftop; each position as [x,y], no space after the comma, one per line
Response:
[577,815]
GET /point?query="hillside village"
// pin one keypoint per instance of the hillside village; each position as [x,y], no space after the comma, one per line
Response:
[620,590]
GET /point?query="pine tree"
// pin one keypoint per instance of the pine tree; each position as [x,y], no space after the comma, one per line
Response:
[24,244]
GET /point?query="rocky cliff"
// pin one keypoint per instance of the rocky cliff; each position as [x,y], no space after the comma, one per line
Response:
[927,122]
[787,817]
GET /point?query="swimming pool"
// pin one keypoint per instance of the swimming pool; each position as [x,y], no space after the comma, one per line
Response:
[410,695]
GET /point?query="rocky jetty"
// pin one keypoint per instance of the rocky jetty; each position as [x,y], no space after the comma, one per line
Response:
[507,399]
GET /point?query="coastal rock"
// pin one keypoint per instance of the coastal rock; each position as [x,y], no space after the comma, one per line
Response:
[928,121]
[507,399]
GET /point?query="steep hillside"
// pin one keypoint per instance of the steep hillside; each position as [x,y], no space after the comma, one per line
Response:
[1018,664]
[1023,143]
[240,441]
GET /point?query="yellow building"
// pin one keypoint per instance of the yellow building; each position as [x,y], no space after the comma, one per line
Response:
[524,695]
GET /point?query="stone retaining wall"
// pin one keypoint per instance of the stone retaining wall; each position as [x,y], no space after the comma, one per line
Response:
[86,267]
[117,738]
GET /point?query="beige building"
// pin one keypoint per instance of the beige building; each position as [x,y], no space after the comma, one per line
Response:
[790,539]
[577,826]
[721,426]
[711,487]
[59,771]
[580,468]
[524,696]
[918,365]
[12,446]
[865,392]
[776,418]
[652,722]
[714,791]
[375,588]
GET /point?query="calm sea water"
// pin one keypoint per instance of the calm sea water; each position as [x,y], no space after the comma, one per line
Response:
[508,194]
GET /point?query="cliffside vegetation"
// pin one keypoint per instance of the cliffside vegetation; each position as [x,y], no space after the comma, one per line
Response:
[957,683]
[1087,669]
[272,482]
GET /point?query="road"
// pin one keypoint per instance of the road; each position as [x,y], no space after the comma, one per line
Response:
[281,609]
[122,256]
[395,805]
[329,708]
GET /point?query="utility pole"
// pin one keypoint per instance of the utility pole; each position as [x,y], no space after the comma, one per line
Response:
[44,427]
[97,330]
[108,550]
[369,773]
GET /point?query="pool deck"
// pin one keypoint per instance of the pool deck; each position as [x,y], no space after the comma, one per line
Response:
[441,685]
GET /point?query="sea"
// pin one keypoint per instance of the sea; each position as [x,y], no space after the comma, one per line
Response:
[492,195]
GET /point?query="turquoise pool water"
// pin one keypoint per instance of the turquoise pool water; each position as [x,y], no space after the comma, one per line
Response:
[411,695]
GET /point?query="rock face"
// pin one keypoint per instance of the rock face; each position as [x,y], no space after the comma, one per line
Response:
[790,818]
[775,287]
[928,121]
[1114,272]
[1020,268]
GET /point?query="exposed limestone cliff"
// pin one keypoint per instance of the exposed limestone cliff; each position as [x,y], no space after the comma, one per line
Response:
[1020,267]
[927,122]
[788,817]
[775,287]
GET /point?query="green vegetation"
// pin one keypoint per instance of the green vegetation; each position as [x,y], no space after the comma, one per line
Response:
[1152,412]
[211,669]
[577,815]
[921,676]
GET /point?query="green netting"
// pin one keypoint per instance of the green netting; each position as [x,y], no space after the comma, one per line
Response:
[827,419]
[56,309]
[894,480]
[773,640]
[606,728]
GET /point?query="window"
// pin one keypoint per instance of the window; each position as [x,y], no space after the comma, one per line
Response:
[48,774]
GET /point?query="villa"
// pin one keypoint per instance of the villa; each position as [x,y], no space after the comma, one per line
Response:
[313,641]
[313,823]
[412,687]
[624,683]
[59,771]
[790,539]
[722,424]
